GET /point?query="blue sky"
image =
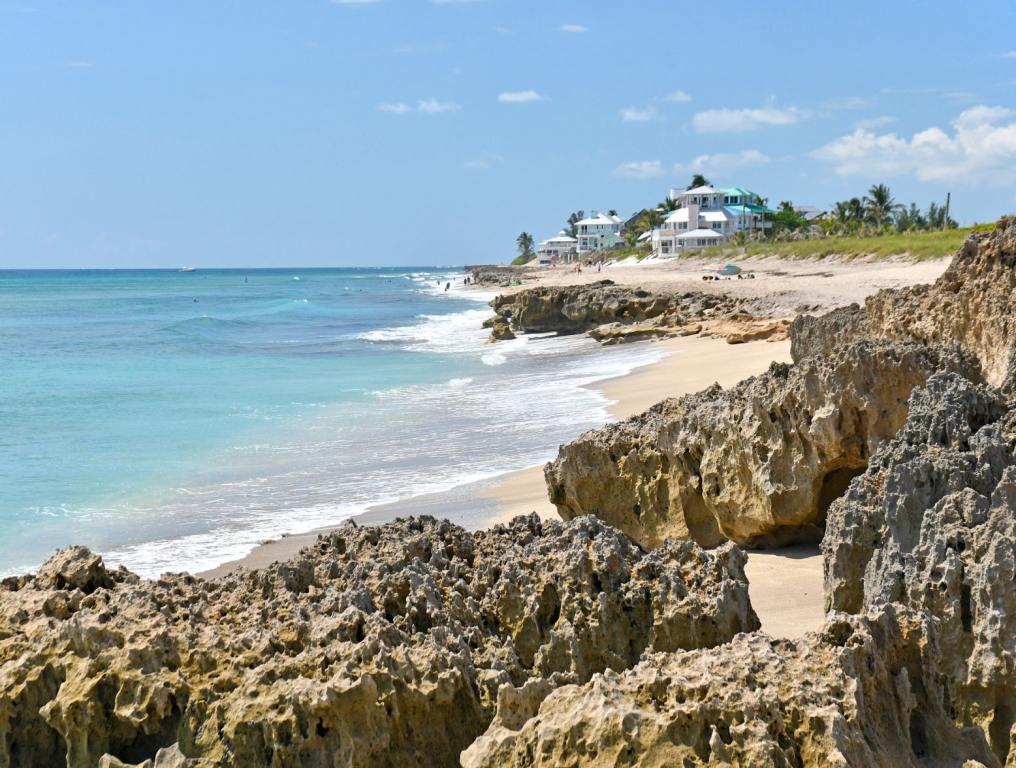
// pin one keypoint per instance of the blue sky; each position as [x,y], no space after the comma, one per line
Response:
[426,132]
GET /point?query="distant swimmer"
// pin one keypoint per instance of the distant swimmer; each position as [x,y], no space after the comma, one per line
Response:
[447,286]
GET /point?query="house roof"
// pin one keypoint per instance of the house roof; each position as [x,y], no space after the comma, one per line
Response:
[560,239]
[737,210]
[808,212]
[700,234]
[708,189]
[709,214]
[739,192]
[600,218]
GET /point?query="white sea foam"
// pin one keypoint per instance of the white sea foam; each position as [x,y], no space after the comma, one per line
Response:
[458,332]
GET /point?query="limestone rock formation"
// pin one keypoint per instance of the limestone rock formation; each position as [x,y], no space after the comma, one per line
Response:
[862,692]
[810,335]
[501,331]
[612,313]
[375,647]
[931,526]
[972,304]
[500,275]
[756,464]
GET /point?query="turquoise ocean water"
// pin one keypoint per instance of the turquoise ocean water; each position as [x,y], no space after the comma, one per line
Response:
[174,420]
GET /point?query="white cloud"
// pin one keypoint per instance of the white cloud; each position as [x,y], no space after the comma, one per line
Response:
[638,115]
[1009,55]
[981,149]
[519,97]
[576,29]
[723,162]
[640,169]
[427,106]
[483,162]
[433,106]
[742,120]
[870,123]
[678,96]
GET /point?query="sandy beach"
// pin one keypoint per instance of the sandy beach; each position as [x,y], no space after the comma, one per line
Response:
[792,285]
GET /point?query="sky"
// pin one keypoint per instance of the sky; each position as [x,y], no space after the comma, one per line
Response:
[433,132]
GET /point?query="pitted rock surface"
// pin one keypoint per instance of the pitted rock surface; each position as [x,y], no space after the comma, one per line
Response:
[862,692]
[972,304]
[378,646]
[931,526]
[757,464]
[613,313]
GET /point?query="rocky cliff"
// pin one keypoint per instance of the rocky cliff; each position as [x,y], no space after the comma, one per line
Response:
[915,665]
[388,646]
[931,526]
[757,464]
[972,304]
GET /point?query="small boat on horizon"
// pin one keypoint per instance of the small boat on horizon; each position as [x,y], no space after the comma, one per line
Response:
[188,269]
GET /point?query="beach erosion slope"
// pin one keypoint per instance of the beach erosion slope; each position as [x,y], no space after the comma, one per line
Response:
[545,643]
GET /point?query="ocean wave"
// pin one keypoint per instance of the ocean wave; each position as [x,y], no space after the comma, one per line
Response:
[446,334]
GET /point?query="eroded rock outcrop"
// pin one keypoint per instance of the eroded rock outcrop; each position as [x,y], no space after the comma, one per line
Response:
[862,692]
[972,304]
[931,526]
[756,464]
[613,313]
[376,647]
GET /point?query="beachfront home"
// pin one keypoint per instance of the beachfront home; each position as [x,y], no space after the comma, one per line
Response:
[553,249]
[709,216]
[598,232]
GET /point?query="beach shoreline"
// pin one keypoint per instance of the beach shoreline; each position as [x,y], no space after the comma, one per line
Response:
[785,584]
[688,365]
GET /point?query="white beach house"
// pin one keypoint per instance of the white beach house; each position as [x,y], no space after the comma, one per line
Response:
[598,232]
[559,248]
[708,216]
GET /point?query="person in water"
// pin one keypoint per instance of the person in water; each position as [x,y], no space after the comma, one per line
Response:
[447,286]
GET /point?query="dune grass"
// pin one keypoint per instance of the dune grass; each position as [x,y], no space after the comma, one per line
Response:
[918,246]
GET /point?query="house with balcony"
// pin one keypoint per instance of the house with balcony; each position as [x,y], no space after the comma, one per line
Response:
[709,216]
[598,232]
[554,249]
[702,219]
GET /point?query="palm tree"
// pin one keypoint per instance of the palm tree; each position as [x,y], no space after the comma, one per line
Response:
[880,205]
[698,180]
[612,212]
[573,220]
[650,220]
[525,245]
[668,205]
[786,206]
